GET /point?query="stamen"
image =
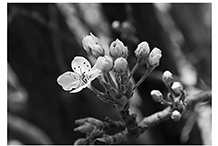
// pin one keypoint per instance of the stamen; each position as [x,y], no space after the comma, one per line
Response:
[84,79]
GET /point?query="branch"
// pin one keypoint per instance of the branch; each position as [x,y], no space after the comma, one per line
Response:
[133,129]
[204,96]
[145,75]
[114,124]
[156,118]
[126,134]
[114,139]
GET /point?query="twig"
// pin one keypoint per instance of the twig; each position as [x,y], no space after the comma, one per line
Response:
[133,129]
[102,96]
[133,70]
[148,71]
[156,118]
[204,96]
[114,139]
[114,124]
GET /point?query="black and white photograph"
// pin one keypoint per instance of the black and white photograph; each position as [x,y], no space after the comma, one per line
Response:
[109,73]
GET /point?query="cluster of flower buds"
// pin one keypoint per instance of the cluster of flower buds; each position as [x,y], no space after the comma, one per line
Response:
[175,97]
[145,56]
[114,68]
[89,126]
[111,69]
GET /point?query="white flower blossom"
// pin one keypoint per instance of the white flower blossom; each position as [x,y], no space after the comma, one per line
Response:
[80,78]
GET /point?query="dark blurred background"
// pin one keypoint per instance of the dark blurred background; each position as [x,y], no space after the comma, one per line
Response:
[44,38]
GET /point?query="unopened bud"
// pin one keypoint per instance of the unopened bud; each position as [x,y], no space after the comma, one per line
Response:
[120,65]
[85,128]
[104,63]
[167,77]
[154,57]
[143,50]
[157,95]
[176,116]
[177,87]
[97,51]
[80,141]
[89,41]
[128,27]
[116,25]
[117,49]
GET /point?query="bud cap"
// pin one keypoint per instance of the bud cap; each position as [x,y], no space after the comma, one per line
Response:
[167,77]
[143,50]
[120,65]
[176,116]
[104,63]
[89,41]
[117,49]
[154,57]
[177,87]
[97,51]
[157,95]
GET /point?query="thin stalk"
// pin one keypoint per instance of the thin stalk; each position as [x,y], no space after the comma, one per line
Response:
[109,78]
[166,102]
[133,70]
[118,80]
[148,71]
[104,84]
[171,92]
[102,96]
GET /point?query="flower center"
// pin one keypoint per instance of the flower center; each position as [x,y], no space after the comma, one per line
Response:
[84,78]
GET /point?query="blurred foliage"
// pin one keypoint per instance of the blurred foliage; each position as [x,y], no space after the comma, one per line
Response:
[44,38]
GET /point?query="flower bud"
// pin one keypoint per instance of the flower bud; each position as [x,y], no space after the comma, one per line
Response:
[120,65]
[80,141]
[176,116]
[154,57]
[117,49]
[85,128]
[97,51]
[116,25]
[142,51]
[127,27]
[89,41]
[104,63]
[177,87]
[167,77]
[157,95]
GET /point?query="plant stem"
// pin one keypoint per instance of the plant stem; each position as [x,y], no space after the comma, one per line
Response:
[133,71]
[108,76]
[148,71]
[156,118]
[102,96]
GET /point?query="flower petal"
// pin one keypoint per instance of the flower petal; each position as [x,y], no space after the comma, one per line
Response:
[79,88]
[80,65]
[69,80]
